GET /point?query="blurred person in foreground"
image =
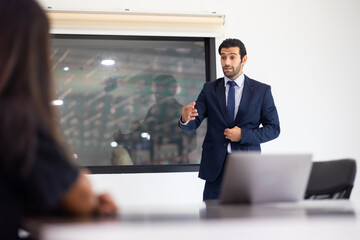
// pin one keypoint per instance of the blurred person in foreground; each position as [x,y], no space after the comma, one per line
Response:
[36,173]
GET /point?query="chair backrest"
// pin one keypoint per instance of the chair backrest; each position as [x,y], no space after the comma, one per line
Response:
[331,179]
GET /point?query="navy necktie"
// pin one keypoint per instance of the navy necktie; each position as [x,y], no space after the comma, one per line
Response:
[231,101]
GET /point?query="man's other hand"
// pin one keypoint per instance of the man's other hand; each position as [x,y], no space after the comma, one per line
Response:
[233,134]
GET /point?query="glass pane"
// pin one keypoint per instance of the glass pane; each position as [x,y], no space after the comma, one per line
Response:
[120,99]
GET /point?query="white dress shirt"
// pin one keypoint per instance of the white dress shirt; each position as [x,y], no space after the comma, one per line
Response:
[238,93]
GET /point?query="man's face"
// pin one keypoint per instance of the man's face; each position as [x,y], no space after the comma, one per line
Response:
[231,62]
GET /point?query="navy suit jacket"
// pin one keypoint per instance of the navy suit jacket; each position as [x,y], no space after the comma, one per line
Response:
[257,117]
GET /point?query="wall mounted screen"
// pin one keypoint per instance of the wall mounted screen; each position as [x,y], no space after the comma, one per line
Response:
[120,98]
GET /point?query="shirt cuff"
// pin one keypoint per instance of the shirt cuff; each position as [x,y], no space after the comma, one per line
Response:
[183,123]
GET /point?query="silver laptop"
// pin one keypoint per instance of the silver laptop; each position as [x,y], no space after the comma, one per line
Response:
[256,178]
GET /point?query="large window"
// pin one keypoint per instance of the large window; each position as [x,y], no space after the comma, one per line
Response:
[120,99]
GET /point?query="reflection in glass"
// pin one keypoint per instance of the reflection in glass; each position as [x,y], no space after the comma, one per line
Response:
[158,134]
[126,112]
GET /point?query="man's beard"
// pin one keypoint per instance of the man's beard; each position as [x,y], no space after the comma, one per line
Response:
[232,74]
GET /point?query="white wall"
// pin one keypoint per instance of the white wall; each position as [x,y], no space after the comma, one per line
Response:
[307,50]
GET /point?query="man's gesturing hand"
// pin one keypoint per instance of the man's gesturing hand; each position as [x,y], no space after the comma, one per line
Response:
[188,112]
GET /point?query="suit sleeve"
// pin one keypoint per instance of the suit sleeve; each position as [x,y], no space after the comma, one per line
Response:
[269,120]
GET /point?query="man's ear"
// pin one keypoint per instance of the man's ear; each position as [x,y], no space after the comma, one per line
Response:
[244,60]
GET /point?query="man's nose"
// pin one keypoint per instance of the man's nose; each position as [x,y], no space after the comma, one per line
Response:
[227,61]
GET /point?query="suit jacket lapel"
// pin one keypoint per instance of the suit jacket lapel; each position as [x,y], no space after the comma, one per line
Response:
[245,98]
[220,92]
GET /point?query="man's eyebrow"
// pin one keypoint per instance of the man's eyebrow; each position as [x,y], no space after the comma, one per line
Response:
[229,53]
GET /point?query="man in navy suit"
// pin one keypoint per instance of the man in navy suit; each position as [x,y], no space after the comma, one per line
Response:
[239,116]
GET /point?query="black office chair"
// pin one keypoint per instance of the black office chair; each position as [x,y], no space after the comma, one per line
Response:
[331,179]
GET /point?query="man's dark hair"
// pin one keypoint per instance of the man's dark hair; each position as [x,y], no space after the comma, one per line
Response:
[233,42]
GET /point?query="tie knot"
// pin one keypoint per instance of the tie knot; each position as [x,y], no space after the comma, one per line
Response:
[231,83]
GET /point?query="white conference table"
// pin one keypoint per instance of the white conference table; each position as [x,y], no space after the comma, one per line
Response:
[313,219]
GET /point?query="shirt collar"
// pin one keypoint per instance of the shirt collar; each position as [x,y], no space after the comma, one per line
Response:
[239,80]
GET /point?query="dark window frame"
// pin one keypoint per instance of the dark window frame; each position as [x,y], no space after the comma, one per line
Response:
[210,71]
